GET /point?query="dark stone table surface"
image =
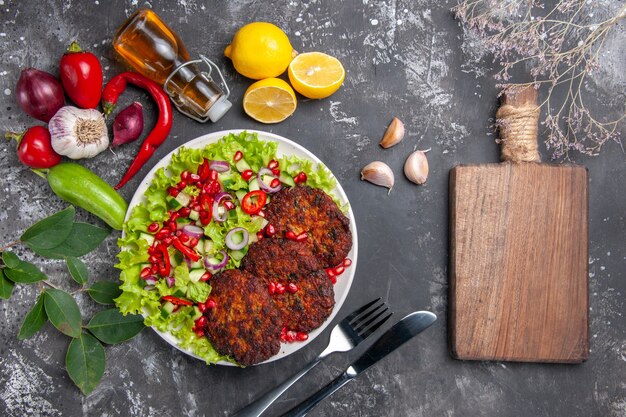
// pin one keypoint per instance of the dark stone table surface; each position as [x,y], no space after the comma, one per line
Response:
[403,58]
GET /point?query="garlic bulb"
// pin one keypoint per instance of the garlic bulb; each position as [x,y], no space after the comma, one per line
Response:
[393,134]
[78,133]
[378,173]
[416,167]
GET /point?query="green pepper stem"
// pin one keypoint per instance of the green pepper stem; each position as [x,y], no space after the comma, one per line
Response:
[74,47]
[42,172]
[15,135]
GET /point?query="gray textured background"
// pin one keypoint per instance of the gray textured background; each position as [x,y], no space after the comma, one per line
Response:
[403,58]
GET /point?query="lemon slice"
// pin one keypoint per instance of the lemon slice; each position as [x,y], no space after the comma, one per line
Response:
[315,74]
[271,100]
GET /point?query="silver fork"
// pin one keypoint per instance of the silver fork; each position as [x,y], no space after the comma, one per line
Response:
[348,333]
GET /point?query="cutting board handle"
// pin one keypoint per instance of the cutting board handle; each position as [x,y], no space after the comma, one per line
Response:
[517,120]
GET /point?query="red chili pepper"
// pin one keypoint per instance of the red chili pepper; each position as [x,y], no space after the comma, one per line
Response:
[165,269]
[253,202]
[176,301]
[158,134]
[186,250]
[203,170]
[34,148]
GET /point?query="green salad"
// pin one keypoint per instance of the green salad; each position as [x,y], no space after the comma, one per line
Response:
[198,216]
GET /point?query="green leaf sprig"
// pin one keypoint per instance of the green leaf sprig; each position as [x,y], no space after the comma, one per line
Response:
[59,236]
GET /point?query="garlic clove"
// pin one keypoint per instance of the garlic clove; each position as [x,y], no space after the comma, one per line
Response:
[393,134]
[378,173]
[416,167]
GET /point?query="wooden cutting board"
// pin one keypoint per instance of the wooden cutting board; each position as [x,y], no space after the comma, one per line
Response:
[519,250]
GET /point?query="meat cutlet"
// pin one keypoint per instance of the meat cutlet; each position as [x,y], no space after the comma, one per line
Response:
[304,209]
[246,323]
[285,262]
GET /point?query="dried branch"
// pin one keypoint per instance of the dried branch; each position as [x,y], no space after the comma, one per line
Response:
[559,47]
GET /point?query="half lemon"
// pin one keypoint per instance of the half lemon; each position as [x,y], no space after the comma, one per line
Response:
[271,100]
[315,74]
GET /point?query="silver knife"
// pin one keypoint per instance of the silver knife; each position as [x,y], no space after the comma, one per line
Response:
[392,339]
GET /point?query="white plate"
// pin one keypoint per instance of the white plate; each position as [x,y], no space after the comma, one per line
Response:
[285,147]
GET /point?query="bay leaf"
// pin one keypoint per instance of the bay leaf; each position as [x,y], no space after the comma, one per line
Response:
[34,320]
[111,327]
[85,362]
[51,231]
[83,238]
[6,286]
[78,269]
[25,273]
[10,259]
[104,292]
[63,312]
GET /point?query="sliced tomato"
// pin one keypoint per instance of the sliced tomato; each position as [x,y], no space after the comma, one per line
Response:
[253,202]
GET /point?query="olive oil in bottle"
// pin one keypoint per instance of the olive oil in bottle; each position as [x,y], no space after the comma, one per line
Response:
[151,48]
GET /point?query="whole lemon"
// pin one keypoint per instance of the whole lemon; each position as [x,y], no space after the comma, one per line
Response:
[260,50]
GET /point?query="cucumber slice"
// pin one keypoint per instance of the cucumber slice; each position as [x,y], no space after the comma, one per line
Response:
[267,179]
[240,194]
[200,246]
[242,165]
[194,215]
[167,308]
[181,200]
[182,222]
[237,255]
[254,185]
[208,246]
[196,313]
[196,274]
[176,259]
[147,237]
[286,179]
[172,202]
[195,265]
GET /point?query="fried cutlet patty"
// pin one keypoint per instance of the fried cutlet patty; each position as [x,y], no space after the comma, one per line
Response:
[246,322]
[284,261]
[280,260]
[310,305]
[305,209]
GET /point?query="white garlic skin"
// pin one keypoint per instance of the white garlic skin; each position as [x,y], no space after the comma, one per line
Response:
[394,133]
[416,167]
[64,135]
[378,173]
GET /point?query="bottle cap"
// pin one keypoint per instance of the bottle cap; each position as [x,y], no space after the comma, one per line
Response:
[219,108]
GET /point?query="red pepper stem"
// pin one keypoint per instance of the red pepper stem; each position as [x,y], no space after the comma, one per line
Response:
[74,47]
[15,135]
